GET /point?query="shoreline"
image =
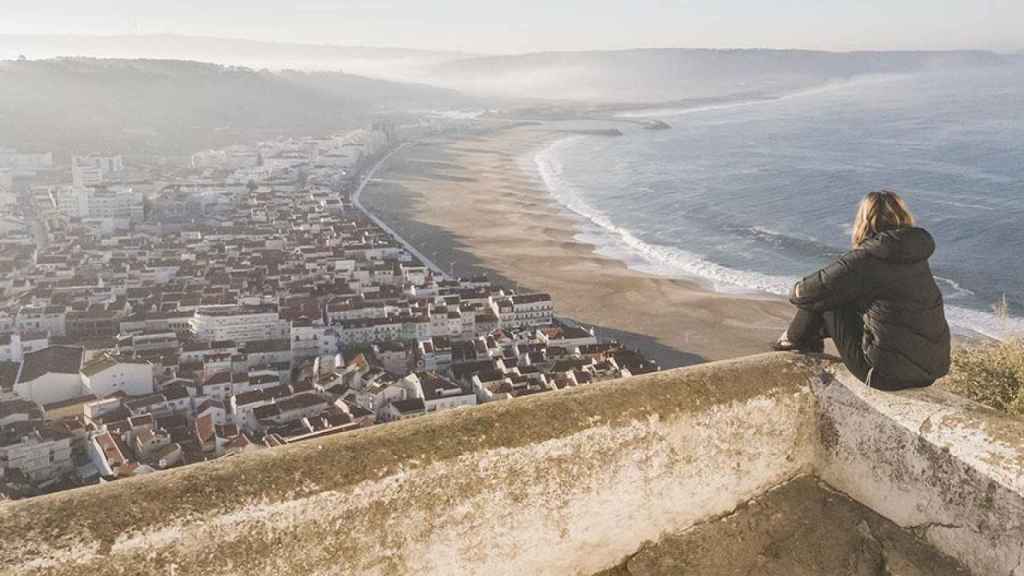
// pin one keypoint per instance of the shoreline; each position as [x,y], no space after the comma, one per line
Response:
[607,241]
[469,201]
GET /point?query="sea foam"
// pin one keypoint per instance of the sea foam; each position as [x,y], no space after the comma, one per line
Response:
[617,242]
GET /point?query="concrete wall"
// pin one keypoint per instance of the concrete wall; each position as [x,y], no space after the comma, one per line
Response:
[947,469]
[561,483]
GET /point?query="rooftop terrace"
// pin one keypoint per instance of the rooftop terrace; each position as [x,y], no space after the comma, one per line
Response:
[773,464]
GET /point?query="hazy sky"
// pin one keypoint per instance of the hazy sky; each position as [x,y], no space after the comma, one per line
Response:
[530,25]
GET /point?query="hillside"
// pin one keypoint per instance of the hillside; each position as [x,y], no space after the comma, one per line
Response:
[175,107]
[674,74]
[390,63]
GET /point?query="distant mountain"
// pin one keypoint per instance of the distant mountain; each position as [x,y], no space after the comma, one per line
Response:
[389,63]
[675,74]
[624,76]
[71,105]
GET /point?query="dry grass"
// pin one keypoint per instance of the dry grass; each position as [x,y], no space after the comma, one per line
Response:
[992,374]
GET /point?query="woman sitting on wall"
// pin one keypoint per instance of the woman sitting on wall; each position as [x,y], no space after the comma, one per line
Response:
[879,302]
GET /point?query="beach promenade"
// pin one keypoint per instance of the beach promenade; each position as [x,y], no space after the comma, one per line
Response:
[356,201]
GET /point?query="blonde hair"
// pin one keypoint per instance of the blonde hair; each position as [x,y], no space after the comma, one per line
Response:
[878,212]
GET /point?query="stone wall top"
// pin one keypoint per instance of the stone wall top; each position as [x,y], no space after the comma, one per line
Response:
[319,506]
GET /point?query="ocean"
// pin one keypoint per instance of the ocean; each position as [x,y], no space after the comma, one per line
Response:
[751,196]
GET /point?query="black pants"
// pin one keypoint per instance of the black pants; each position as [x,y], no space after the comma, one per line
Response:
[844,325]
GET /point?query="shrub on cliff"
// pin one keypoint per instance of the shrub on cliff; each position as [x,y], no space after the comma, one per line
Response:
[992,374]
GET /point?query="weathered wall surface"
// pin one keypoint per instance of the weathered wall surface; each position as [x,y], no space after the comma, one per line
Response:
[561,483]
[945,468]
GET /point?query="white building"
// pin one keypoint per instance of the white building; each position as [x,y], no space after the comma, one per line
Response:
[10,348]
[215,410]
[368,330]
[202,351]
[350,309]
[434,354]
[291,408]
[165,340]
[42,453]
[25,162]
[117,202]
[443,394]
[524,310]
[105,453]
[149,441]
[67,200]
[239,323]
[93,170]
[220,385]
[568,337]
[13,347]
[93,411]
[231,158]
[117,206]
[107,374]
[396,356]
[243,407]
[250,174]
[414,274]
[50,375]
[51,320]
[263,353]
[403,410]
[311,339]
[121,204]
[168,456]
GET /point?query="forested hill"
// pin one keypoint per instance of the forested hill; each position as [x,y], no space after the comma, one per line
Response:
[70,105]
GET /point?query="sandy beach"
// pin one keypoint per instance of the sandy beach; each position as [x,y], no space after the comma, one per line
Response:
[472,202]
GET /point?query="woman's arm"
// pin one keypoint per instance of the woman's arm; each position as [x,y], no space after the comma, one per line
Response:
[839,283]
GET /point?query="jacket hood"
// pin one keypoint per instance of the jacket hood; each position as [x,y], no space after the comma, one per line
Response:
[903,245]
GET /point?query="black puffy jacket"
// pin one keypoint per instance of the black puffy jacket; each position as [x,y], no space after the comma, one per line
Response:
[906,338]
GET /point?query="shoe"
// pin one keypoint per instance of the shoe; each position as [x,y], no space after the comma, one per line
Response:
[784,344]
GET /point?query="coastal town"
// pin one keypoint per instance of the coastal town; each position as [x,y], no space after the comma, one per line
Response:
[165,314]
